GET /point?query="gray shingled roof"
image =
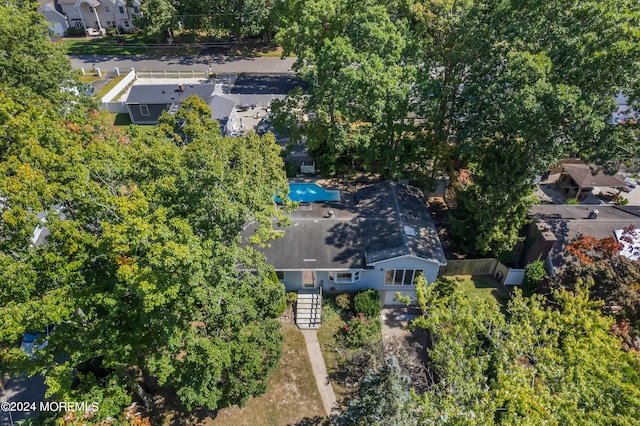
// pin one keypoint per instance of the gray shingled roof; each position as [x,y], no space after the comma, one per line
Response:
[570,222]
[221,107]
[367,227]
[168,93]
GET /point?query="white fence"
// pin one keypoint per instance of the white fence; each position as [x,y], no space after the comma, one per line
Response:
[173,74]
[117,107]
[119,87]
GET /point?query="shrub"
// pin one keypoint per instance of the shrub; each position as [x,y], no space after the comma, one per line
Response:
[344,301]
[533,273]
[360,331]
[368,303]
[292,297]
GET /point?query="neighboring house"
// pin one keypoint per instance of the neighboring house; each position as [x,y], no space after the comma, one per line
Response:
[96,16]
[560,225]
[146,102]
[382,237]
[57,20]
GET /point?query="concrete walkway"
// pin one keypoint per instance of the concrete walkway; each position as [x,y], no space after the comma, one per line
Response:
[320,371]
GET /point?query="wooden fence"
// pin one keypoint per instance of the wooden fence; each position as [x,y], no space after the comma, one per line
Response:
[469,267]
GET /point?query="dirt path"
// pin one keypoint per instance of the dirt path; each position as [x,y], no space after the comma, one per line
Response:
[320,371]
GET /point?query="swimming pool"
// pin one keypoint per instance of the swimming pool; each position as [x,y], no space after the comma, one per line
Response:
[311,192]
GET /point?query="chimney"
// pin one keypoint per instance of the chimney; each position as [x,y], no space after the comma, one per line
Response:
[180,88]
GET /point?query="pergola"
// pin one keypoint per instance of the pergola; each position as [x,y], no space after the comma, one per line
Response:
[582,175]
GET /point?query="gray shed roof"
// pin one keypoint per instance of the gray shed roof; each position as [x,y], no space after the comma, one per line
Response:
[379,222]
[168,93]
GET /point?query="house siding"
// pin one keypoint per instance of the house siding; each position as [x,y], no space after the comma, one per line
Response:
[370,278]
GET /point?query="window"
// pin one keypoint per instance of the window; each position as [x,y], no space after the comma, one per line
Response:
[144,110]
[280,275]
[136,10]
[121,9]
[344,277]
[402,276]
[77,24]
[106,9]
[126,24]
[90,9]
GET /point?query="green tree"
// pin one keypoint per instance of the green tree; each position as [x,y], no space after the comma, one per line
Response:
[144,271]
[28,58]
[352,54]
[383,399]
[540,363]
[159,18]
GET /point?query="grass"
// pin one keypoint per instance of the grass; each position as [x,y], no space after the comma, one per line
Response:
[133,45]
[121,119]
[332,322]
[292,394]
[89,78]
[110,85]
[482,288]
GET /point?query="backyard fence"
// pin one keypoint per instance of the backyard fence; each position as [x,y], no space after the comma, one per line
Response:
[469,267]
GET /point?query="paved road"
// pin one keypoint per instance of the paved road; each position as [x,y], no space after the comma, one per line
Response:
[21,389]
[219,64]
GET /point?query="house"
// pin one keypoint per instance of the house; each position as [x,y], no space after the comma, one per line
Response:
[559,225]
[146,102]
[55,18]
[96,16]
[381,237]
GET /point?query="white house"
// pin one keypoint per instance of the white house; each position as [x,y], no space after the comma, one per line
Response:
[96,16]
[382,237]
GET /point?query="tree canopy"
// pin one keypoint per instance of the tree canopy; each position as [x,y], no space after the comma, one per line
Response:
[538,363]
[143,270]
[407,87]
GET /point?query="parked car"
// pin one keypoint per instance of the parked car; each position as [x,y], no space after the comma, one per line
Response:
[631,183]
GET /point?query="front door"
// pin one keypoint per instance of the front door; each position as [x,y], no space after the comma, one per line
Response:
[308,279]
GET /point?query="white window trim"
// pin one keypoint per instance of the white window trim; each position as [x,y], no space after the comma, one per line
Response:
[355,277]
[414,274]
[144,108]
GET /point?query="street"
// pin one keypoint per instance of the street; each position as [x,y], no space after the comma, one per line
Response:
[219,64]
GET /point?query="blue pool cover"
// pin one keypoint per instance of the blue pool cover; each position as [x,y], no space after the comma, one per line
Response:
[310,192]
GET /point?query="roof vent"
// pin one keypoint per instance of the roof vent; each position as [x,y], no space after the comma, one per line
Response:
[331,214]
[181,88]
[593,214]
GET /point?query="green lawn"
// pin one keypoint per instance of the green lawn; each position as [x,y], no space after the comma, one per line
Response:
[482,288]
[133,45]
